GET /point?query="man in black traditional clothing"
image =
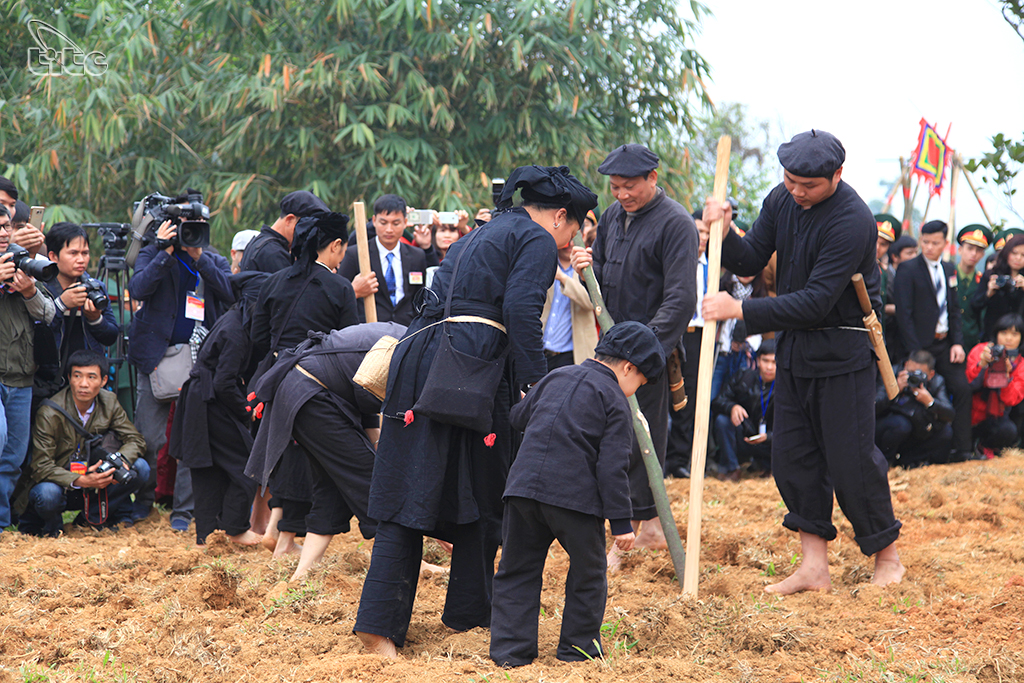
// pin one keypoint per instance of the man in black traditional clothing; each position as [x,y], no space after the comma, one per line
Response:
[431,476]
[825,386]
[645,260]
[268,252]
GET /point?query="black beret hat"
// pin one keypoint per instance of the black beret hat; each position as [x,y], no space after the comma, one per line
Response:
[302,203]
[901,243]
[629,161]
[636,343]
[889,227]
[976,234]
[813,154]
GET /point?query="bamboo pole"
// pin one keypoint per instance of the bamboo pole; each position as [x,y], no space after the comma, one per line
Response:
[908,202]
[369,301]
[951,224]
[970,182]
[643,436]
[927,207]
[707,364]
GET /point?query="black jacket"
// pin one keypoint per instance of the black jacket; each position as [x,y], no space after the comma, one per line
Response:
[746,389]
[648,271]
[916,308]
[578,435]
[268,252]
[413,264]
[1005,300]
[819,250]
[906,405]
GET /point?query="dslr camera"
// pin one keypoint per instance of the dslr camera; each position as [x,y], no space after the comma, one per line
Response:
[1003,281]
[40,269]
[916,379]
[94,290]
[116,463]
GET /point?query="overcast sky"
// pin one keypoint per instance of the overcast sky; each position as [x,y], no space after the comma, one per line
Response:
[868,71]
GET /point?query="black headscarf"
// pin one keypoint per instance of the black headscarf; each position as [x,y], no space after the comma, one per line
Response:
[312,232]
[549,185]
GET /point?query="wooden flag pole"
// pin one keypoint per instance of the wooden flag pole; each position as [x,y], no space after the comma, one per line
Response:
[970,182]
[643,436]
[927,208]
[369,302]
[908,202]
[707,364]
[951,224]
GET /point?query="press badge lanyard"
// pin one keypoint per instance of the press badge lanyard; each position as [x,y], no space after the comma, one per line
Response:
[764,405]
[194,304]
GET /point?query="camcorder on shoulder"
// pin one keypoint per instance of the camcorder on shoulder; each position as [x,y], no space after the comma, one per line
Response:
[41,268]
[186,212]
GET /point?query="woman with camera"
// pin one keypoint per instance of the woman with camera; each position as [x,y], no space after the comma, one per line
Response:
[1001,289]
[996,374]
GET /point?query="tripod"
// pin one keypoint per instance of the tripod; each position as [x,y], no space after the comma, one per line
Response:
[114,271]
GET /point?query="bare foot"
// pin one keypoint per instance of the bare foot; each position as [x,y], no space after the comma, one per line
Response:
[269,542]
[286,545]
[888,568]
[432,568]
[378,645]
[201,547]
[247,537]
[803,579]
[651,536]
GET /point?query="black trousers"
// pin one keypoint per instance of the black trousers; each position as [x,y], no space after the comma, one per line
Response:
[529,528]
[996,433]
[341,464]
[893,434]
[559,360]
[223,493]
[680,438]
[824,442]
[385,607]
[959,393]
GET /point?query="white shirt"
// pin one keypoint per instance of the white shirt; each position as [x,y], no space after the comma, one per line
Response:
[396,265]
[84,417]
[702,274]
[935,271]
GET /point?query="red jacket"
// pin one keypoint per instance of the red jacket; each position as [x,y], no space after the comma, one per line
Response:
[988,403]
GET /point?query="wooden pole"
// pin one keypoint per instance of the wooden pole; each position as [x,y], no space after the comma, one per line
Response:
[951,230]
[908,202]
[890,196]
[970,182]
[927,207]
[369,302]
[707,363]
[643,437]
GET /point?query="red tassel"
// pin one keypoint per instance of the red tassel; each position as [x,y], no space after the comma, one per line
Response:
[409,417]
[248,409]
[259,410]
[490,439]
[251,396]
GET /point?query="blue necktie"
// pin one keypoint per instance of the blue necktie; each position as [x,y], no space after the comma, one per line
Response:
[389,278]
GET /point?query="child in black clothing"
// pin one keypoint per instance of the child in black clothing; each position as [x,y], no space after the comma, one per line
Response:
[569,476]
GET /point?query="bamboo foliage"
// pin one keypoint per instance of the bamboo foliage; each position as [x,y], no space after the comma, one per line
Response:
[349,98]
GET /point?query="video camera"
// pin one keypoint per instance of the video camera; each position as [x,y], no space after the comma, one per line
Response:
[191,217]
[41,269]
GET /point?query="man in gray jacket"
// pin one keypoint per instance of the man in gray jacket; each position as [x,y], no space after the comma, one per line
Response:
[21,304]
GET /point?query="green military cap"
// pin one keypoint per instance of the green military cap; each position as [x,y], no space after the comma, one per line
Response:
[889,227]
[1005,236]
[976,234]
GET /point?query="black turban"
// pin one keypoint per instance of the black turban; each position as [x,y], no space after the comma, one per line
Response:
[553,185]
[310,230]
[813,154]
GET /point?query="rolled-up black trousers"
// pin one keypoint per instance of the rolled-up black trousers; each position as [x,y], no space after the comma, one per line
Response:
[824,443]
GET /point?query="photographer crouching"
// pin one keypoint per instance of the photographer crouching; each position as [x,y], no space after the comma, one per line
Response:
[75,466]
[996,374]
[915,428]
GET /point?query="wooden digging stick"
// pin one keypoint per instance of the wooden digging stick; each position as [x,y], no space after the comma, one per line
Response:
[643,436]
[951,224]
[702,408]
[369,302]
[908,202]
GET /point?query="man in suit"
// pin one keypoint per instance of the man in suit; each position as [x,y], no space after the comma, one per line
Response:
[399,269]
[928,318]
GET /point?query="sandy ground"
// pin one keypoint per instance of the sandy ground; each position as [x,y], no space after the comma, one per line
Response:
[142,605]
